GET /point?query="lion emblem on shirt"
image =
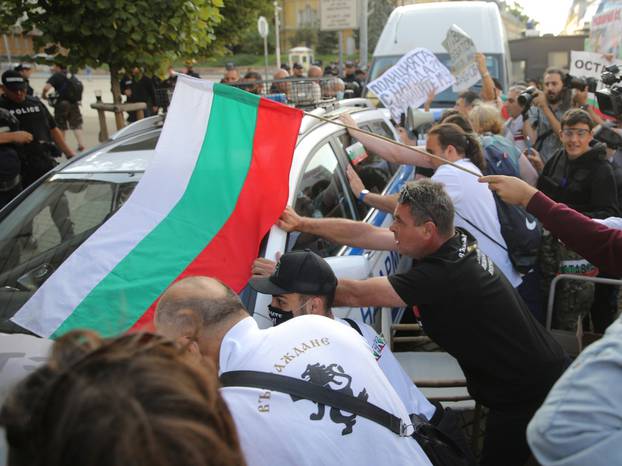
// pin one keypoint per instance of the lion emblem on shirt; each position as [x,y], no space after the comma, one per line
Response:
[334,378]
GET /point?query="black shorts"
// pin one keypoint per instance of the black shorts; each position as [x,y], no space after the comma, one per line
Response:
[67,115]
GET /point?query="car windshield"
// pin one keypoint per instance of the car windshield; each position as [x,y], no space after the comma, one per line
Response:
[50,223]
[447,98]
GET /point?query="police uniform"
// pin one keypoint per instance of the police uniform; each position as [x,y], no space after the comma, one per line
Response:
[37,157]
[10,166]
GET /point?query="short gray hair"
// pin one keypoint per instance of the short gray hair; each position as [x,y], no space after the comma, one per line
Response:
[518,88]
[428,200]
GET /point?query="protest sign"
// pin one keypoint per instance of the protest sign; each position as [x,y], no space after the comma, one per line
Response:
[462,51]
[589,64]
[606,30]
[410,80]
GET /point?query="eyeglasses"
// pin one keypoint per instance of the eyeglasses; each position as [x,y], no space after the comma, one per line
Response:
[569,132]
[407,197]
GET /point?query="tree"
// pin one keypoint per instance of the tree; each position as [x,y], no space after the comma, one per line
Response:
[119,33]
[237,32]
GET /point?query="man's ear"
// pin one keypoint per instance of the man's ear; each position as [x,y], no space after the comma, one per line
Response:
[430,229]
[317,306]
[189,344]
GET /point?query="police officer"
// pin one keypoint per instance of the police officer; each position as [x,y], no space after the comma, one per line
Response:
[10,166]
[37,156]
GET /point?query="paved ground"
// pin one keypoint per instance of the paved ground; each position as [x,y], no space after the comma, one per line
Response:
[98,82]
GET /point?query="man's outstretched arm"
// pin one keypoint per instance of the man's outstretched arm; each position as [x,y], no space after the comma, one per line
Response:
[339,230]
[376,292]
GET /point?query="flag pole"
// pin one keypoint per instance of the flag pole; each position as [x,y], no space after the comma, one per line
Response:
[397,143]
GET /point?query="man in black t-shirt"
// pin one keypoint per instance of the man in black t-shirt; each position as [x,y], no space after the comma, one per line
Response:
[467,306]
[66,109]
[139,88]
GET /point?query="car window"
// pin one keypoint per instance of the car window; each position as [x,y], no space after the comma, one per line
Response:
[374,171]
[146,142]
[321,193]
[50,223]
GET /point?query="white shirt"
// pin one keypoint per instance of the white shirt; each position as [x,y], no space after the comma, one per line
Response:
[473,201]
[411,396]
[611,222]
[515,127]
[275,430]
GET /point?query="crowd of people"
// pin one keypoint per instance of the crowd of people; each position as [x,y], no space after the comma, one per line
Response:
[211,387]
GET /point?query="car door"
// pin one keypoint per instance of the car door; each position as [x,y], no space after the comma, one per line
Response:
[382,177]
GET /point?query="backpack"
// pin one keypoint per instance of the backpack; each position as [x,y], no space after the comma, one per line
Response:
[521,231]
[72,90]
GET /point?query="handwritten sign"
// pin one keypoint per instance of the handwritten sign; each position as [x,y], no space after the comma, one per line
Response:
[462,51]
[606,29]
[410,80]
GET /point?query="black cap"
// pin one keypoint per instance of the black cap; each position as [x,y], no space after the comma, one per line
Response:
[298,66]
[298,272]
[230,66]
[23,66]
[13,80]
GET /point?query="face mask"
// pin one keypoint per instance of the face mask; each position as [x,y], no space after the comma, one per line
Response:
[279,316]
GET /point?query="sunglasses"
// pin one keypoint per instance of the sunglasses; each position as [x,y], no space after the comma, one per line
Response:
[407,197]
[568,132]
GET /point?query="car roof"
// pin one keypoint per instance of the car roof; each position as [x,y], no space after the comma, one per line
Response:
[110,156]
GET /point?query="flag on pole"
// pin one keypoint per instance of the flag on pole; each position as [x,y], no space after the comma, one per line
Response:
[218,181]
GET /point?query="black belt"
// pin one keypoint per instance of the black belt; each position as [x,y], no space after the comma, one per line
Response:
[9,184]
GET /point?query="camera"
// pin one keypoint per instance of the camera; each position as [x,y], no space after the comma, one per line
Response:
[608,136]
[610,98]
[574,82]
[525,98]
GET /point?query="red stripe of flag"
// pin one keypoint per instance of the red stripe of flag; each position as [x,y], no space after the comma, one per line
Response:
[230,254]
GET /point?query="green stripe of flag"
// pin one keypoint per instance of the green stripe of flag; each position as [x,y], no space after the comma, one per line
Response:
[205,206]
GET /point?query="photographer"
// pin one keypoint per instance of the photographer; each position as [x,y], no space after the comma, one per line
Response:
[37,156]
[541,123]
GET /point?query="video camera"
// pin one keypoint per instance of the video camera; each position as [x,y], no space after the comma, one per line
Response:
[610,98]
[580,84]
[608,136]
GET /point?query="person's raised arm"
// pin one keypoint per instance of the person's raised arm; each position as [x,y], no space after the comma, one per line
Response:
[540,101]
[376,292]
[488,86]
[599,244]
[385,149]
[386,203]
[339,230]
[59,140]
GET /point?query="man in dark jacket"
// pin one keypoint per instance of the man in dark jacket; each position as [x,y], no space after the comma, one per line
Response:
[580,176]
[139,88]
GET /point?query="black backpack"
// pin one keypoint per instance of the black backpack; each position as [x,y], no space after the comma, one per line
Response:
[521,231]
[72,90]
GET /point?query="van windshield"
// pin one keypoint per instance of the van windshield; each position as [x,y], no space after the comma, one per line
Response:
[447,98]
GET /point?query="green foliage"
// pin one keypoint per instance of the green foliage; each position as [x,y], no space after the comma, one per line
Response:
[307,37]
[237,32]
[379,11]
[328,42]
[121,33]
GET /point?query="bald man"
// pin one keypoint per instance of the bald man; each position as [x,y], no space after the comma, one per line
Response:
[280,85]
[209,319]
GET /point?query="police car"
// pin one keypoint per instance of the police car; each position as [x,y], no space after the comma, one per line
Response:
[46,223]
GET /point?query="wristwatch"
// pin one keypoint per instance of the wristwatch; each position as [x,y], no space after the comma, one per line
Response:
[362,195]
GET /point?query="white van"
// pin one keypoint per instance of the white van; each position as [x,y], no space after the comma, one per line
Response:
[426,25]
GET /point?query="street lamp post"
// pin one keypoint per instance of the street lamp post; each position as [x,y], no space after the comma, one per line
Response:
[277,8]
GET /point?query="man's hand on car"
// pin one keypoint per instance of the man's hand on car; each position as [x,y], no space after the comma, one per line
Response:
[348,120]
[289,220]
[263,267]
[356,184]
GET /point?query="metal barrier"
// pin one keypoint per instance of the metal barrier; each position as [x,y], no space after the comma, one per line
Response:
[566,276]
[303,93]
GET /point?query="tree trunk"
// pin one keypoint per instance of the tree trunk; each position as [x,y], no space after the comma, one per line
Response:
[114,84]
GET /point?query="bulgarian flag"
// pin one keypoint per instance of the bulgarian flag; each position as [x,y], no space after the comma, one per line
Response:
[218,181]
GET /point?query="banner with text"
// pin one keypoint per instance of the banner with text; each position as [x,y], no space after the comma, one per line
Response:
[606,29]
[410,80]
[461,49]
[589,64]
